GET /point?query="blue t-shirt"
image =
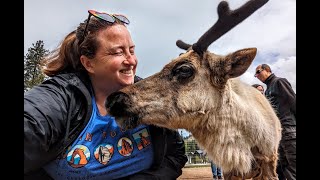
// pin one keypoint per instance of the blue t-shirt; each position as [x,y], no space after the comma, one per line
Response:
[104,151]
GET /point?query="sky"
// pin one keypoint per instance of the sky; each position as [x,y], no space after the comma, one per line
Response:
[156,25]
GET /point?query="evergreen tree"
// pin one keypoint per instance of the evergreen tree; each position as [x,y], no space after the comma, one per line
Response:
[32,73]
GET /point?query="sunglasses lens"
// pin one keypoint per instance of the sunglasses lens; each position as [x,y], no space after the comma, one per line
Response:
[258,72]
[122,18]
[110,18]
[106,17]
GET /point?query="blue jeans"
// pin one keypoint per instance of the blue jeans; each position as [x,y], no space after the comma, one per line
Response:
[216,171]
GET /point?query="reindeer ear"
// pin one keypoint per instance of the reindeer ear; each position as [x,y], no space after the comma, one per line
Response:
[239,61]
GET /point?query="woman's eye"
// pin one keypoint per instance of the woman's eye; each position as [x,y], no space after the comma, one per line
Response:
[131,50]
[118,53]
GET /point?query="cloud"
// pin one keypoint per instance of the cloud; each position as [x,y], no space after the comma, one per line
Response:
[286,67]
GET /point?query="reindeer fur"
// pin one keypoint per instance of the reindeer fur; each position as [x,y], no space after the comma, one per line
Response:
[201,92]
[231,120]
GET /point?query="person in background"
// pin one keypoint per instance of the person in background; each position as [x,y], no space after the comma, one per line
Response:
[216,171]
[68,133]
[282,97]
[258,87]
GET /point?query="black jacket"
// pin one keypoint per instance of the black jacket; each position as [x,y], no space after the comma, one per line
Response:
[282,97]
[56,111]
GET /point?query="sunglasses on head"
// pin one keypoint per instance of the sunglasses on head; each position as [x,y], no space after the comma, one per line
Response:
[111,18]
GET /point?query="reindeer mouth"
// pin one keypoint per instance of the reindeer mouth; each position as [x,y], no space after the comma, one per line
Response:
[127,122]
[118,105]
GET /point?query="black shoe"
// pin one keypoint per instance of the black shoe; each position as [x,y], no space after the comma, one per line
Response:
[215,177]
[220,177]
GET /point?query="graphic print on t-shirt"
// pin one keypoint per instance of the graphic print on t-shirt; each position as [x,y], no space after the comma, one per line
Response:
[113,133]
[116,152]
[78,156]
[103,153]
[104,134]
[88,137]
[125,146]
[142,138]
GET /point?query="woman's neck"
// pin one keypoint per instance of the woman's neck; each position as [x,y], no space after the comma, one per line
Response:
[101,94]
[100,98]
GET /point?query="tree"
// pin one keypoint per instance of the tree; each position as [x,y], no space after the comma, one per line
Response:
[191,145]
[32,73]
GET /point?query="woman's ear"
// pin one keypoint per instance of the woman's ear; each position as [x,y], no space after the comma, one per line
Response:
[87,63]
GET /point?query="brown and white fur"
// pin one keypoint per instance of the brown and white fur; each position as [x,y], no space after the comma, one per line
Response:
[231,120]
[201,92]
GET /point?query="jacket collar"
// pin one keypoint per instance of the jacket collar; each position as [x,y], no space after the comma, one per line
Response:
[269,79]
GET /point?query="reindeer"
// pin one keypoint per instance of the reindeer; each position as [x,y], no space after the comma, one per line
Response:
[201,92]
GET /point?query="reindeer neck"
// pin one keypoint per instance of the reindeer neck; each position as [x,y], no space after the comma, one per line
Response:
[200,134]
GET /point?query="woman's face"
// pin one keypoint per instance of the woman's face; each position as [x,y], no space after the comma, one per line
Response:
[115,61]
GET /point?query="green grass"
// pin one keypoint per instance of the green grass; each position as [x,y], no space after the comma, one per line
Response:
[196,165]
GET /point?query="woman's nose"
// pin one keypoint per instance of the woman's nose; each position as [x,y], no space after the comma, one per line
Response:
[130,59]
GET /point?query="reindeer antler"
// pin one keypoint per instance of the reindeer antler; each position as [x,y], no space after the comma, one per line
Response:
[226,21]
[182,45]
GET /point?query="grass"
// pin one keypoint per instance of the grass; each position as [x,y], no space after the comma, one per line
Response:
[196,165]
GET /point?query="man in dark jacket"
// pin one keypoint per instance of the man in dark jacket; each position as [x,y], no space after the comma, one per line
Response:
[282,97]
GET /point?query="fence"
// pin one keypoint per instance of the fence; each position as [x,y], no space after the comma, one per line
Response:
[194,153]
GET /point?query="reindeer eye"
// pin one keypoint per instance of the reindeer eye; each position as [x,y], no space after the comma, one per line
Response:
[183,71]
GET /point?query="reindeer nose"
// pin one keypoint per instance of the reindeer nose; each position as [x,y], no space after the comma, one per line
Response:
[116,103]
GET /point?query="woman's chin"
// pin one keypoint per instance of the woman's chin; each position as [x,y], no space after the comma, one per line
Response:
[127,82]
[126,79]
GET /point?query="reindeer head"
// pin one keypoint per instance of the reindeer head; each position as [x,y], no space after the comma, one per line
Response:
[194,83]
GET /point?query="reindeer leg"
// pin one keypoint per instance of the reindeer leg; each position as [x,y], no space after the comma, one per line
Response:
[272,166]
[231,176]
[267,171]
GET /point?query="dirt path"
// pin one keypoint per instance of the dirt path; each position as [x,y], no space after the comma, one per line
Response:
[203,173]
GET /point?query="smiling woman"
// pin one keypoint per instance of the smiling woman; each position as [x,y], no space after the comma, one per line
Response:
[65,120]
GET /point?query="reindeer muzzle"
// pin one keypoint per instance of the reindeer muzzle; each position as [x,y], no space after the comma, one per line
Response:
[117,105]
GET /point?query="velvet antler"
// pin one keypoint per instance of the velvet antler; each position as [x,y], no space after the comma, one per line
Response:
[226,21]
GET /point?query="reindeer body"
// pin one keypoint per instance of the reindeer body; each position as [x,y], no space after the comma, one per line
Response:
[233,122]
[200,91]
[230,133]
